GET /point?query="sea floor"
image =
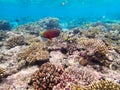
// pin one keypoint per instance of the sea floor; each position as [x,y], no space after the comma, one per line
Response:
[86,57]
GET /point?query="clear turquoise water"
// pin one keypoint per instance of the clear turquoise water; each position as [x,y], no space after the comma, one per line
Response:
[65,9]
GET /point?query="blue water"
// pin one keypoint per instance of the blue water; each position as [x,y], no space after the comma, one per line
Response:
[30,10]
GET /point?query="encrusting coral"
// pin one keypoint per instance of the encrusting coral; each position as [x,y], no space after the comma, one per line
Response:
[46,77]
[34,53]
[15,41]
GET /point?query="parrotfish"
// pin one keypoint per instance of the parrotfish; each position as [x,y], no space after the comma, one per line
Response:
[52,33]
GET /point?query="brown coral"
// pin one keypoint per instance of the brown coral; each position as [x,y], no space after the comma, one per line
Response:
[75,87]
[34,53]
[2,73]
[15,41]
[104,85]
[46,77]
[101,85]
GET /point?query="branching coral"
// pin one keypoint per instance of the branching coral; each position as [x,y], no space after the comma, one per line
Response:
[46,77]
[14,41]
[34,53]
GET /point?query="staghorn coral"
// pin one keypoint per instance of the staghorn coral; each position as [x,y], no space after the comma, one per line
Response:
[104,85]
[15,41]
[46,77]
[34,53]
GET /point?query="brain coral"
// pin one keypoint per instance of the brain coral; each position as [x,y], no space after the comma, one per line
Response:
[14,41]
[46,77]
[34,53]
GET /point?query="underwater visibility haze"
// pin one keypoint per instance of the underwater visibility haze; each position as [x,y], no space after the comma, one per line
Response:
[59,44]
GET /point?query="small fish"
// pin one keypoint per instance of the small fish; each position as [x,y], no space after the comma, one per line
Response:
[52,33]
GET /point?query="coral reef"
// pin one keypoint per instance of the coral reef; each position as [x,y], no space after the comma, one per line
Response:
[4,25]
[46,77]
[83,58]
[15,41]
